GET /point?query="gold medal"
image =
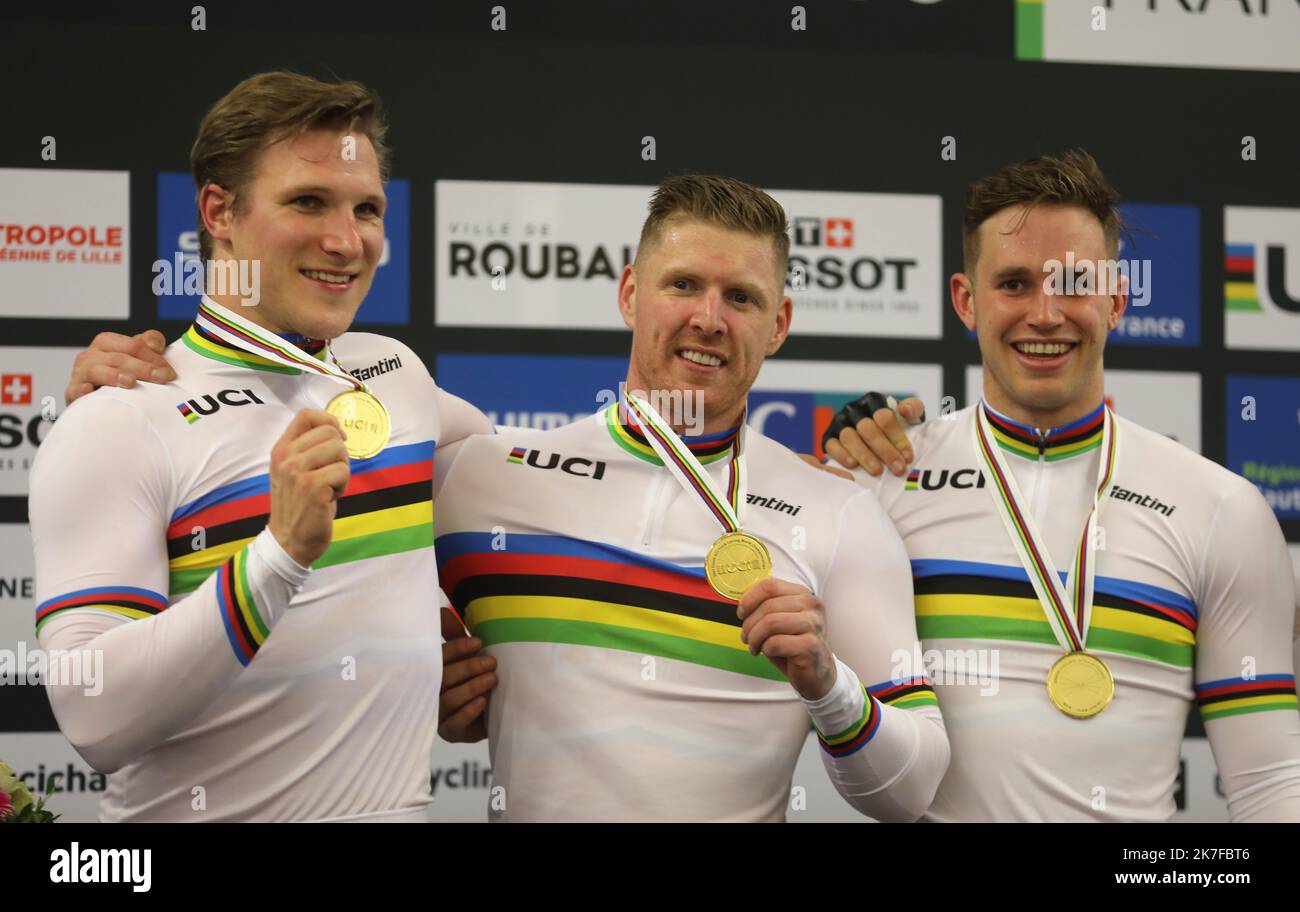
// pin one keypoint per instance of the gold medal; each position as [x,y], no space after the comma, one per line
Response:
[736,561]
[364,419]
[1080,685]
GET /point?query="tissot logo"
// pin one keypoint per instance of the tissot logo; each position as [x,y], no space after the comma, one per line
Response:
[194,409]
[15,389]
[573,465]
[841,268]
[814,231]
[934,479]
[13,430]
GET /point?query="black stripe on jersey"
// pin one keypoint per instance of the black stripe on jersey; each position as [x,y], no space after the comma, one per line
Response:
[351,505]
[962,584]
[1277,690]
[1051,442]
[486,585]
[232,599]
[906,692]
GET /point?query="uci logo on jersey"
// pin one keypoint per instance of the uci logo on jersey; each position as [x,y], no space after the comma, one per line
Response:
[574,465]
[194,409]
[934,479]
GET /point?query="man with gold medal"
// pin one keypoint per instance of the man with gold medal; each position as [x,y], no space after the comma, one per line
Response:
[666,605]
[221,534]
[663,606]
[1101,578]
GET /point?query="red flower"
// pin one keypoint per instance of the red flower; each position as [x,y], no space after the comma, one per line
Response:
[6,805]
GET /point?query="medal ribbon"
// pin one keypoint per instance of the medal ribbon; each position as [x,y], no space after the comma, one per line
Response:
[1068,605]
[724,509]
[234,330]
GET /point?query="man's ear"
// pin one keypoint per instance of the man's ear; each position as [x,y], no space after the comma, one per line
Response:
[627,295]
[1118,303]
[962,290]
[782,328]
[217,207]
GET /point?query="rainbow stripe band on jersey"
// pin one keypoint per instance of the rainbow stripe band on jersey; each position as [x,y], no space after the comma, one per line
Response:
[239,615]
[386,508]
[908,693]
[968,600]
[555,589]
[1235,696]
[204,343]
[227,327]
[707,449]
[128,602]
[1072,439]
[856,736]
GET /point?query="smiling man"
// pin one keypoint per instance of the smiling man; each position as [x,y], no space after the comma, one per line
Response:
[250,546]
[656,646]
[1120,578]
[660,646]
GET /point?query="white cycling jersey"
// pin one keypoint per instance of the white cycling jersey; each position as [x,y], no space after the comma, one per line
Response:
[1193,602]
[625,692]
[237,685]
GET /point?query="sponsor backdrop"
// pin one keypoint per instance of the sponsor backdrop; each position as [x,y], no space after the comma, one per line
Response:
[524,162]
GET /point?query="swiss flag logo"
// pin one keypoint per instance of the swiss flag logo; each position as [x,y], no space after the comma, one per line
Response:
[839,232]
[15,389]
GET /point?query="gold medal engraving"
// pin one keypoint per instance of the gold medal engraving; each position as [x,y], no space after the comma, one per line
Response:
[1080,685]
[364,420]
[736,561]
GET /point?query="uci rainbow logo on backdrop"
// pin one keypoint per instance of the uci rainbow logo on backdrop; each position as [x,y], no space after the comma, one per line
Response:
[1261,292]
[387,302]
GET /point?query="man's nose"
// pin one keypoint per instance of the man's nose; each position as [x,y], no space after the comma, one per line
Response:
[341,236]
[707,316]
[1045,309]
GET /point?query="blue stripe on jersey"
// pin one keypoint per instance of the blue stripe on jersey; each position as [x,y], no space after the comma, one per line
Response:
[261,484]
[1107,585]
[456,544]
[1278,678]
[101,590]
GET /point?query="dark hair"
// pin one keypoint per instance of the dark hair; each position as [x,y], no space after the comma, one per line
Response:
[722,201]
[1073,179]
[267,108]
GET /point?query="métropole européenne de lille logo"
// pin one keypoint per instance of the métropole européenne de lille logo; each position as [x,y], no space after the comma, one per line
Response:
[572,465]
[194,409]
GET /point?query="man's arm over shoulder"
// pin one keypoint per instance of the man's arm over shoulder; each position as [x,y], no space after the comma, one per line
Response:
[101,517]
[882,736]
[1245,679]
[460,420]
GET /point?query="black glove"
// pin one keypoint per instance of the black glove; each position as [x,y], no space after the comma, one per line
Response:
[852,413]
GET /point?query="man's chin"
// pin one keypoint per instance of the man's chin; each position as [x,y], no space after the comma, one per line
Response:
[320,320]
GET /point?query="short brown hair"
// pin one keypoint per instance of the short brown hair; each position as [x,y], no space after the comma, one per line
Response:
[270,107]
[722,201]
[1073,179]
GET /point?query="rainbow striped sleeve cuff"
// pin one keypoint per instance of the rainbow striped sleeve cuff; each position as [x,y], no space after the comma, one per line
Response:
[127,602]
[1234,696]
[909,693]
[244,625]
[855,737]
